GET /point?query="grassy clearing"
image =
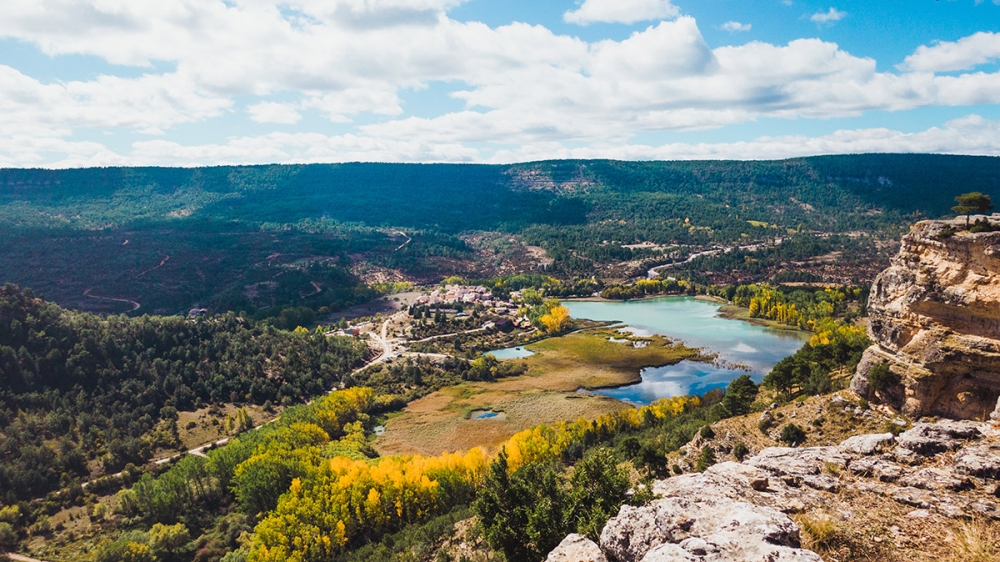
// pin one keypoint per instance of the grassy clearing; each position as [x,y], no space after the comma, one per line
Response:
[209,424]
[590,360]
[547,393]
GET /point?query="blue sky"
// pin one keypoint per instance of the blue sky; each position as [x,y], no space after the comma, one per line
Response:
[203,82]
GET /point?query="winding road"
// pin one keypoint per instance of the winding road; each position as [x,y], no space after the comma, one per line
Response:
[135,305]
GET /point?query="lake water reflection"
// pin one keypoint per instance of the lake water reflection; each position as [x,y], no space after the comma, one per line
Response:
[698,324]
[518,352]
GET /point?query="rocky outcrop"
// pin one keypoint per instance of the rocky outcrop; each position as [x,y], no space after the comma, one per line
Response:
[576,548]
[709,529]
[934,318]
[740,511]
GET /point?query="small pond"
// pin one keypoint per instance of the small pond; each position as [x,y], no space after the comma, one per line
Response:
[518,352]
[487,415]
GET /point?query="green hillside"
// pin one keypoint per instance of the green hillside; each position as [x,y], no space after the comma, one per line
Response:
[252,237]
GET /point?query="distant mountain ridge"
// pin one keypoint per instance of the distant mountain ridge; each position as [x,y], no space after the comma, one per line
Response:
[457,197]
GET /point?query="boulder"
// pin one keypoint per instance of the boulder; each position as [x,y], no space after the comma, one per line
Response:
[912,496]
[880,469]
[936,479]
[930,439]
[867,444]
[576,548]
[798,464]
[716,529]
[981,462]
[740,482]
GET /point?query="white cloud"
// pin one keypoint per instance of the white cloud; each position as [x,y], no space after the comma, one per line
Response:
[149,103]
[966,53]
[736,26]
[355,62]
[621,11]
[972,134]
[830,17]
[969,135]
[272,112]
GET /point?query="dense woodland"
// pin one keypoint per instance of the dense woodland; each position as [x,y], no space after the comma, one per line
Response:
[81,393]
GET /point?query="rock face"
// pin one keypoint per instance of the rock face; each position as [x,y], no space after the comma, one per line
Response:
[738,512]
[934,316]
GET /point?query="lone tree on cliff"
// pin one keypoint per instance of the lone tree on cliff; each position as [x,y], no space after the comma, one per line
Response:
[974,202]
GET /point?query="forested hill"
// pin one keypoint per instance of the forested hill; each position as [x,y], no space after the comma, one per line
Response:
[83,394]
[254,238]
[453,198]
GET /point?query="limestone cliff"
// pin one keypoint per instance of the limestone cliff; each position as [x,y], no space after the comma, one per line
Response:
[934,316]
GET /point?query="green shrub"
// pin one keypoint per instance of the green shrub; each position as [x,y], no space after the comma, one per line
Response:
[792,435]
[881,377]
[8,536]
[705,459]
[740,451]
[765,423]
[707,432]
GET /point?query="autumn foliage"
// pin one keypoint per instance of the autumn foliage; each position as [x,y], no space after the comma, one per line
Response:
[339,502]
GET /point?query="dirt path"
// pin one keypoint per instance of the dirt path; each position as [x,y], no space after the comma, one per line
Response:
[316,290]
[473,331]
[403,245]
[22,558]
[154,268]
[135,305]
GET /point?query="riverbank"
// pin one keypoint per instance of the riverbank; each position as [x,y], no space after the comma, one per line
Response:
[707,298]
[733,312]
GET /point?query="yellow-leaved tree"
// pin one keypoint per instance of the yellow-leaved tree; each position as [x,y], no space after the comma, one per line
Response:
[556,319]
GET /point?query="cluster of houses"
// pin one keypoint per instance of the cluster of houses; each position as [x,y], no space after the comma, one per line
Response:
[451,295]
[466,294]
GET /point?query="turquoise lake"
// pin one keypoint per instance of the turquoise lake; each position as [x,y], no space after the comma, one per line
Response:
[698,324]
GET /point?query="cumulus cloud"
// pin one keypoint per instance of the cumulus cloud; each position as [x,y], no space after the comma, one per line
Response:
[736,26]
[621,11]
[518,88]
[972,134]
[149,103]
[272,112]
[967,52]
[829,17]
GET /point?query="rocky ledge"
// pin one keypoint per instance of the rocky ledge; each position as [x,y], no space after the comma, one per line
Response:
[743,511]
[934,318]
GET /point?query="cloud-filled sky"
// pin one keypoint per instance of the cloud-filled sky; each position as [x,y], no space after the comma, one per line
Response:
[203,82]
